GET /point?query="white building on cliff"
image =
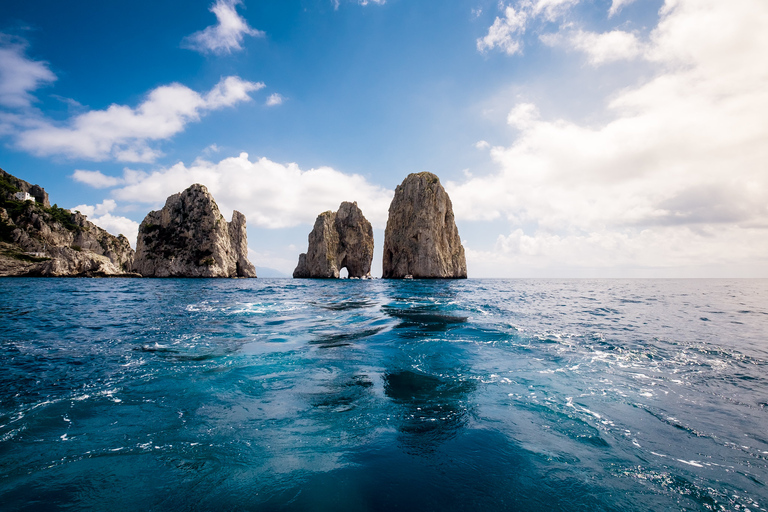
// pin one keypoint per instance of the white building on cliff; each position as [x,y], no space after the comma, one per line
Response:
[24,196]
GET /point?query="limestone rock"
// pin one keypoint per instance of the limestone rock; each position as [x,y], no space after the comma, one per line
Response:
[189,237]
[421,238]
[43,240]
[339,239]
[68,262]
[11,185]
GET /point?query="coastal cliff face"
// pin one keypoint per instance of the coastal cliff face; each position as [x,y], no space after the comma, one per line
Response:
[189,237]
[421,238]
[37,239]
[17,185]
[339,239]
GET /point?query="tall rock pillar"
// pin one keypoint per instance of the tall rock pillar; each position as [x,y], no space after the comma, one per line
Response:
[421,239]
[189,237]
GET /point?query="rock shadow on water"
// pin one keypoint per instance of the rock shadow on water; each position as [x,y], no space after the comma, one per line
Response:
[431,409]
[335,339]
[423,318]
[345,305]
[343,394]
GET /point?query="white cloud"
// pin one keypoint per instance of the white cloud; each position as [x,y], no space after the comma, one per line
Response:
[523,115]
[601,48]
[228,33]
[100,215]
[96,179]
[676,178]
[274,99]
[270,194]
[505,32]
[661,252]
[550,9]
[20,75]
[89,211]
[213,148]
[616,6]
[123,133]
[482,144]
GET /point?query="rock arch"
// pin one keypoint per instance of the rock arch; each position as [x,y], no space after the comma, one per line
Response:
[338,239]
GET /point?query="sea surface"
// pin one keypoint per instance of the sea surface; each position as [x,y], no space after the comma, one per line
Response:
[280,394]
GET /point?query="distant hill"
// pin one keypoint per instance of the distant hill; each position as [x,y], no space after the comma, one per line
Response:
[270,272]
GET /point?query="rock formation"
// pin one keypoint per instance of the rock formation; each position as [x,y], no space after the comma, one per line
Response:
[421,239]
[15,185]
[189,237]
[338,239]
[41,240]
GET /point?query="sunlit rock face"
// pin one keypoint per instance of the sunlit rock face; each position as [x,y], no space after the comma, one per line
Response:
[189,237]
[421,239]
[37,239]
[338,239]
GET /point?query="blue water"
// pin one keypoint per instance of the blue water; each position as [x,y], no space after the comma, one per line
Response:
[383,395]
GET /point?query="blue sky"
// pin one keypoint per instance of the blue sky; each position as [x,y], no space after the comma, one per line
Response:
[576,138]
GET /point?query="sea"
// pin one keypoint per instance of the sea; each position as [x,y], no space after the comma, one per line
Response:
[379,395]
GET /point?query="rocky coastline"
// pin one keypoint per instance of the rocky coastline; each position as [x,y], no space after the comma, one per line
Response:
[37,239]
[189,237]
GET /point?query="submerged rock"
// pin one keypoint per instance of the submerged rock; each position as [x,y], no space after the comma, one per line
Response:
[421,239]
[338,239]
[189,237]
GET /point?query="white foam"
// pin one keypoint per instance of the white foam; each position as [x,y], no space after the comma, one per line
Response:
[691,463]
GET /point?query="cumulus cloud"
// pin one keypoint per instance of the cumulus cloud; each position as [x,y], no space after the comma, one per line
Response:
[274,100]
[505,32]
[95,179]
[600,48]
[228,33]
[100,215]
[19,75]
[523,115]
[676,176]
[124,133]
[270,194]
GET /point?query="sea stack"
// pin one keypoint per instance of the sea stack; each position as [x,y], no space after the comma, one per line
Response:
[339,239]
[189,237]
[421,239]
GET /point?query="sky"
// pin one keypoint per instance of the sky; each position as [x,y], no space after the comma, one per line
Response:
[576,138]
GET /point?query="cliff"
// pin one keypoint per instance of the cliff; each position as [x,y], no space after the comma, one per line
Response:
[189,237]
[37,239]
[11,185]
[421,238]
[338,240]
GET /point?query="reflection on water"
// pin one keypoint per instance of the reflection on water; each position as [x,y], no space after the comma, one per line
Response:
[431,409]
